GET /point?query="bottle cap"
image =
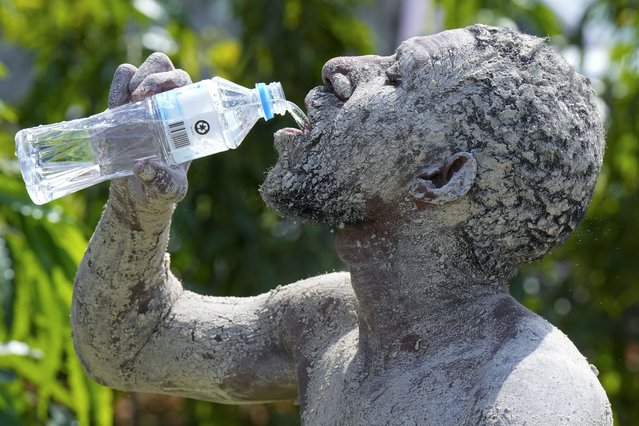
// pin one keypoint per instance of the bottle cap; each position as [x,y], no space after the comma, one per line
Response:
[272,99]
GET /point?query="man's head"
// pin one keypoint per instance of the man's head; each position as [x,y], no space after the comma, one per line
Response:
[485,115]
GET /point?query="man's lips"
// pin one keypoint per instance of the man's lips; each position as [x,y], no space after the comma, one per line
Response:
[293,131]
[285,137]
[320,104]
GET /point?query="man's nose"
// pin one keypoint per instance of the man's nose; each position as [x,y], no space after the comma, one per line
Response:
[342,75]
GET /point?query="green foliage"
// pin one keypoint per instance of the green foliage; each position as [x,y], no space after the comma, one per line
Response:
[225,241]
[39,252]
[41,379]
[531,16]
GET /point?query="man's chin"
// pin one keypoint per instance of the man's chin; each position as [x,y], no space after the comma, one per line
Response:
[305,203]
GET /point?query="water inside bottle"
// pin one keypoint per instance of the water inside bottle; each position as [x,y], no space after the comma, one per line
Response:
[298,115]
[65,157]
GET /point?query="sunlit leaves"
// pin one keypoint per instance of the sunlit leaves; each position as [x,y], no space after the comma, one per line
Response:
[45,251]
[531,15]
[43,245]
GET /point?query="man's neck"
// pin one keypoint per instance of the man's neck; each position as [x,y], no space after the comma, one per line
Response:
[418,294]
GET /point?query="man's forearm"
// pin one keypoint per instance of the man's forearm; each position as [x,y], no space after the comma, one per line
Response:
[122,290]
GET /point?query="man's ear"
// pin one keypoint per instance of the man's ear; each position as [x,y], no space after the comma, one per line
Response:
[442,184]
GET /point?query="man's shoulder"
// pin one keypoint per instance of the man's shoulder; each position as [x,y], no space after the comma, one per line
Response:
[321,289]
[322,307]
[541,377]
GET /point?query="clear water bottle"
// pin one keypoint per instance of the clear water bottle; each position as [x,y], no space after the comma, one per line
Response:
[175,126]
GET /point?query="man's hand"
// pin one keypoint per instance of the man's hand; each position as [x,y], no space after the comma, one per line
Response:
[154,187]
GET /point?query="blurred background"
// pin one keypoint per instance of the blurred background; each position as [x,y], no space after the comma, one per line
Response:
[57,58]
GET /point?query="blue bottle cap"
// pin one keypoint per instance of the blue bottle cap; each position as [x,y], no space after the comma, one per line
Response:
[265,99]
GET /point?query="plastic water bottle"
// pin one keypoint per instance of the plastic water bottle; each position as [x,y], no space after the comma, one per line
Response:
[175,126]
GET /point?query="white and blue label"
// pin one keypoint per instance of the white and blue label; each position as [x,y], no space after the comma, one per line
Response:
[189,117]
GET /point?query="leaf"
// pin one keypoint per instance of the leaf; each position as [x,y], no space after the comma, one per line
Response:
[6,288]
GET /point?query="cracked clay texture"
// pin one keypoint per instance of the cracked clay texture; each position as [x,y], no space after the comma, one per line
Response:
[443,168]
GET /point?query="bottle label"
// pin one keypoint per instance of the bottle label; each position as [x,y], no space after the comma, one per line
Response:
[190,120]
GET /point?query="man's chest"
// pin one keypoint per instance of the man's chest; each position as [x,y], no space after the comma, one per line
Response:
[339,392]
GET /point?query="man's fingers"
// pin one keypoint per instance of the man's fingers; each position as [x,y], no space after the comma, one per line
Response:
[162,181]
[145,171]
[160,82]
[119,92]
[155,185]
[156,63]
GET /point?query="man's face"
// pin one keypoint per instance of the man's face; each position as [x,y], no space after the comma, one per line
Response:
[371,128]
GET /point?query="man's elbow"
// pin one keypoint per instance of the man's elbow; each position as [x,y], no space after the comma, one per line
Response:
[104,364]
[104,351]
[110,328]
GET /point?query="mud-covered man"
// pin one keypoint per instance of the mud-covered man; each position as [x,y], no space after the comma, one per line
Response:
[444,166]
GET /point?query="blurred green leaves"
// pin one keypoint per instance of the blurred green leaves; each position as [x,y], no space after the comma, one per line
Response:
[532,16]
[40,250]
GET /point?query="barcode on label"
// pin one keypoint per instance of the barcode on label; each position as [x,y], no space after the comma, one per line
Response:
[179,137]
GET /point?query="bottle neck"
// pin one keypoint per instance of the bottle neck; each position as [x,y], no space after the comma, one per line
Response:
[272,99]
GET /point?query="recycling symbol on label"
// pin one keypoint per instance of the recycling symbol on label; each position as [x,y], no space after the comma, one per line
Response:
[202,127]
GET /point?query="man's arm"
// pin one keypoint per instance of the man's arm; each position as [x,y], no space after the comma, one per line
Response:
[134,327]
